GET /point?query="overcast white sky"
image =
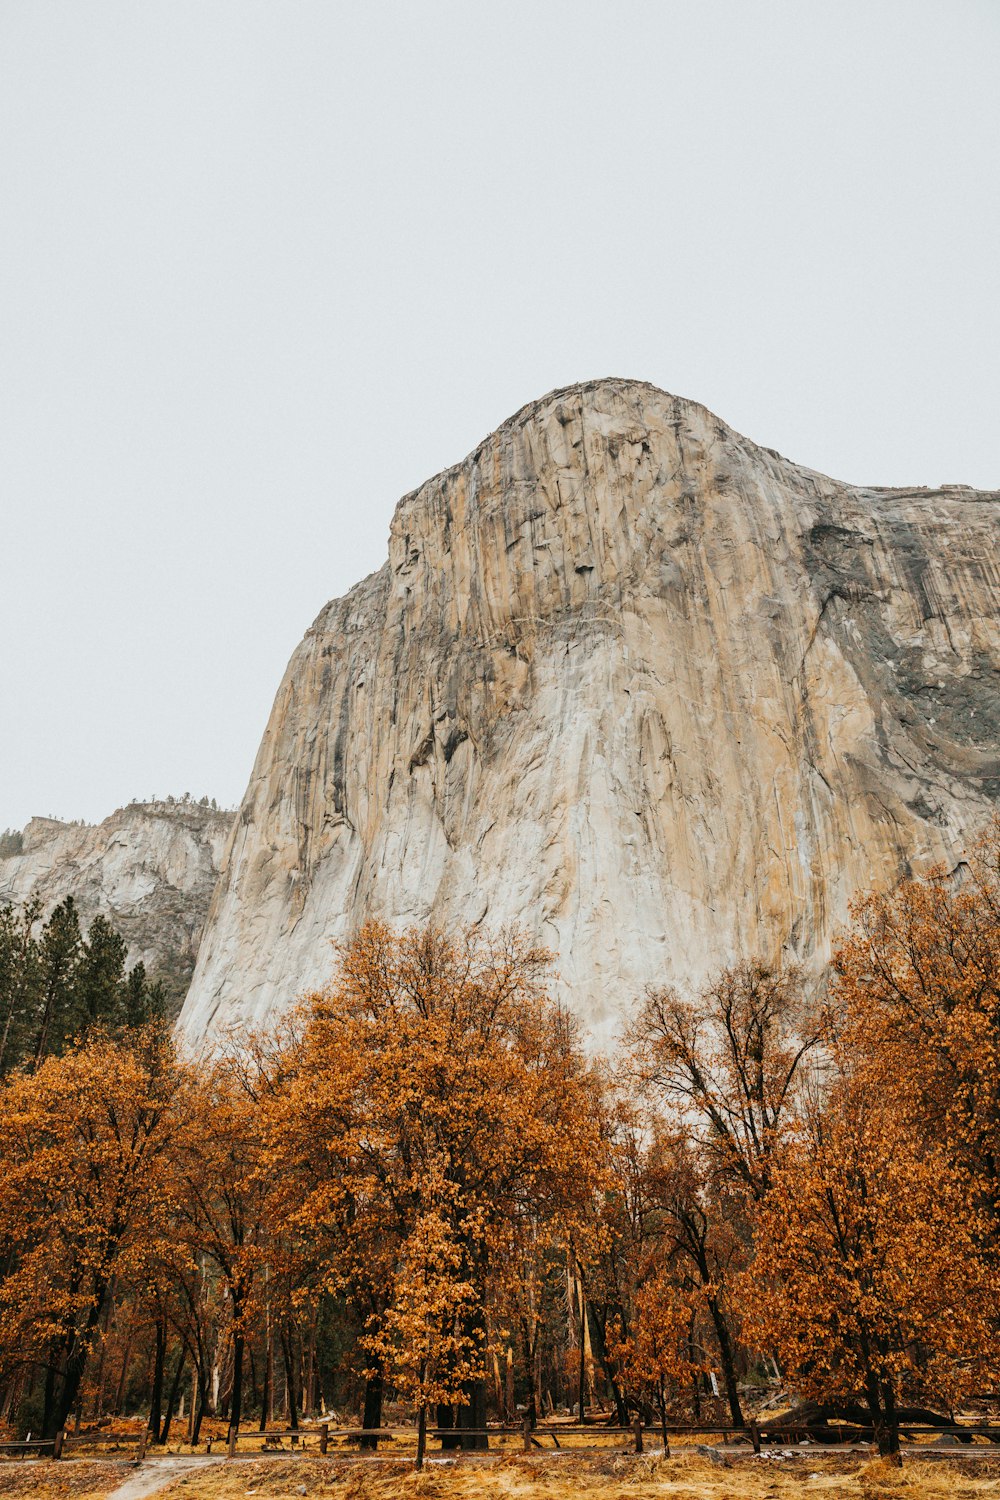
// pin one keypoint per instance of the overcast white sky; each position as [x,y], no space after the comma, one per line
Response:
[266,266]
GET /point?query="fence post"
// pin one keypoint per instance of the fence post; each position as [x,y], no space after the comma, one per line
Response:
[526,1433]
[231,1444]
[324,1437]
[144,1439]
[57,1445]
[755,1435]
[637,1429]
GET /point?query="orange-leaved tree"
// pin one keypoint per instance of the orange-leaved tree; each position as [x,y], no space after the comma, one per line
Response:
[429,1337]
[867,1278]
[223,1193]
[656,1354]
[916,1000]
[435,1084]
[723,1072]
[86,1198]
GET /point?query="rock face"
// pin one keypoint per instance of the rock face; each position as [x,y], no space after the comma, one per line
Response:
[150,869]
[626,678]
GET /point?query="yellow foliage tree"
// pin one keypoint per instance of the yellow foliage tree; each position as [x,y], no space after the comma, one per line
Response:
[867,1278]
[86,1197]
[436,1084]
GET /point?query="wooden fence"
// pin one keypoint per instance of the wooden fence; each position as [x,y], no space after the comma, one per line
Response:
[759,1435]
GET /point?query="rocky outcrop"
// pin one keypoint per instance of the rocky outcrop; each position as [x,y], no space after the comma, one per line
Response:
[150,868]
[628,679]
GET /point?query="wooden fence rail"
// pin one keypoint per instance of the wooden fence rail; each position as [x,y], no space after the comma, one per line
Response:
[759,1434]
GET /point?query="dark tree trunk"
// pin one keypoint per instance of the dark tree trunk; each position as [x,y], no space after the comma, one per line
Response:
[254,1392]
[265,1395]
[175,1390]
[887,1429]
[421,1435]
[236,1404]
[663,1419]
[76,1362]
[446,1419]
[372,1415]
[49,1426]
[288,1354]
[156,1398]
[473,1415]
[728,1363]
[598,1326]
[582,1393]
[528,1355]
[199,1413]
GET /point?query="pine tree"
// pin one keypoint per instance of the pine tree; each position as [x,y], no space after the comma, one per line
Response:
[100,977]
[19,980]
[59,952]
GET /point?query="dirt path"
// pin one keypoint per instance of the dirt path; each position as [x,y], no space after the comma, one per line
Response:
[156,1473]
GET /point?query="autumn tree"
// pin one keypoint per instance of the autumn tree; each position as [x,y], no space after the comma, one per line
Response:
[430,1339]
[85,1196]
[722,1071]
[656,1354]
[866,1279]
[436,1084]
[728,1063]
[916,999]
[223,1194]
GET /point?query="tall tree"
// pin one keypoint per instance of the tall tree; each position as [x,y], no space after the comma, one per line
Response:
[445,1088]
[58,956]
[724,1071]
[84,1198]
[19,981]
[867,1278]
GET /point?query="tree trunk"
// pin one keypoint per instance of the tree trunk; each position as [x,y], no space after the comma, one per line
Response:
[421,1435]
[726,1357]
[663,1419]
[175,1387]
[598,1326]
[891,1422]
[121,1386]
[473,1415]
[446,1419]
[582,1396]
[49,1424]
[156,1398]
[76,1361]
[236,1404]
[265,1395]
[528,1355]
[887,1432]
[198,1412]
[288,1354]
[309,1387]
[372,1415]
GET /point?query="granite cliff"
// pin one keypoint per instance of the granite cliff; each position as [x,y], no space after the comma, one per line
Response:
[150,868]
[629,679]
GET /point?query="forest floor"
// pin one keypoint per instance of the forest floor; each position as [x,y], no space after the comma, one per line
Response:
[513,1477]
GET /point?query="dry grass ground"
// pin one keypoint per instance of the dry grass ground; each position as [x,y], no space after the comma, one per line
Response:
[89,1479]
[517,1477]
